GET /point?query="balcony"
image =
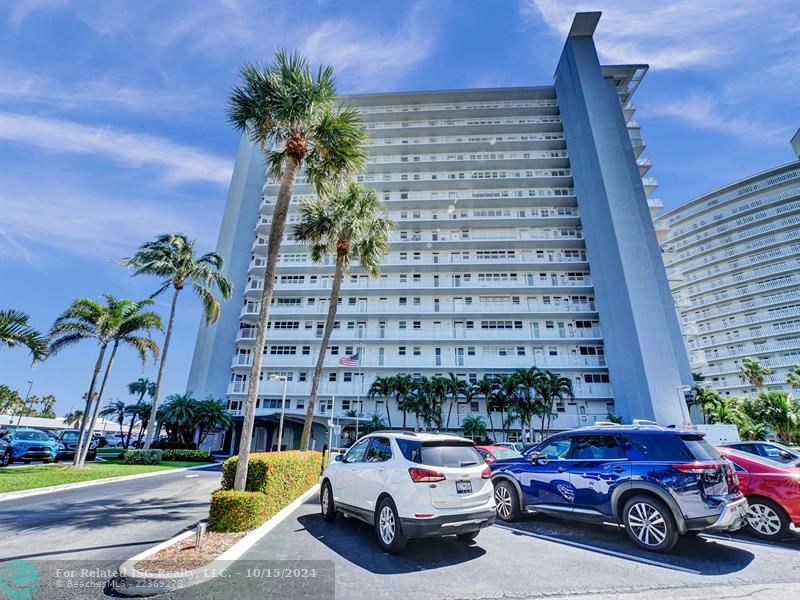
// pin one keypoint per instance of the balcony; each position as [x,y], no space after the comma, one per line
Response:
[745,350]
[790,266]
[741,263]
[734,367]
[732,338]
[757,288]
[448,106]
[760,317]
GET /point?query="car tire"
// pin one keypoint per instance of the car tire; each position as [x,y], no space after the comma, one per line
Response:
[7,460]
[766,519]
[507,501]
[327,507]
[467,537]
[649,524]
[387,527]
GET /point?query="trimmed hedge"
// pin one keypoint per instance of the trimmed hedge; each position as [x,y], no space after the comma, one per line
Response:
[236,511]
[165,445]
[187,455]
[280,476]
[142,457]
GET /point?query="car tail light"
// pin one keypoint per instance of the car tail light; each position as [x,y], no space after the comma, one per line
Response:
[425,475]
[486,473]
[696,468]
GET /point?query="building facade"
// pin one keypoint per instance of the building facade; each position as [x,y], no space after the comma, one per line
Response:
[524,237]
[733,260]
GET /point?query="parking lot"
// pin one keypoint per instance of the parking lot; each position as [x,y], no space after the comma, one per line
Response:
[534,558]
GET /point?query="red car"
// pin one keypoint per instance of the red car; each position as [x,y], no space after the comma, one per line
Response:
[493,453]
[772,490]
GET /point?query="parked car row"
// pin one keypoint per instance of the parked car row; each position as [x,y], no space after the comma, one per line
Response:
[657,483]
[25,445]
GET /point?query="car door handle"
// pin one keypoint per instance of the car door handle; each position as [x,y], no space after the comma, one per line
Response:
[560,470]
[618,469]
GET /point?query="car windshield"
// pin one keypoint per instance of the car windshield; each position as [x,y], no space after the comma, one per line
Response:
[500,453]
[69,436]
[37,436]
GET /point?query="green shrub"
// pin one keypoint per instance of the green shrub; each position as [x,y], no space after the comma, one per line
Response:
[236,511]
[280,476]
[187,455]
[166,445]
[142,457]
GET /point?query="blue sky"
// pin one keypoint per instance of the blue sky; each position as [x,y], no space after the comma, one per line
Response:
[113,130]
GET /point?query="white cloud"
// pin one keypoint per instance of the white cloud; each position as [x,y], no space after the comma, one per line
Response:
[23,8]
[703,111]
[178,163]
[666,35]
[36,220]
[98,94]
[370,59]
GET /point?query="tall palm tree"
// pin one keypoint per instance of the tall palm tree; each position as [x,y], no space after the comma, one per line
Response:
[438,392]
[551,387]
[505,399]
[73,418]
[782,413]
[485,387]
[212,413]
[382,387]
[127,326]
[139,387]
[401,388]
[294,116]
[171,257]
[15,331]
[117,410]
[352,225]
[457,388]
[86,319]
[753,372]
[528,402]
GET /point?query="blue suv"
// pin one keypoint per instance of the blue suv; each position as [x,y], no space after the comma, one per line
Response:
[659,483]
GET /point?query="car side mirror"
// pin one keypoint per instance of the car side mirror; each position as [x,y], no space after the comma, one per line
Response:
[339,457]
[535,457]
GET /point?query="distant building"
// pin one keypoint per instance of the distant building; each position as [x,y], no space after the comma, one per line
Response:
[101,425]
[733,261]
[524,237]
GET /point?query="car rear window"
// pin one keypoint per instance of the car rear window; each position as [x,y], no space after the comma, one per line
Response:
[440,454]
[505,453]
[674,447]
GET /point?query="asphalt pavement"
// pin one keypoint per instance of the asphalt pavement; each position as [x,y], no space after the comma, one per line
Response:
[538,557]
[100,526]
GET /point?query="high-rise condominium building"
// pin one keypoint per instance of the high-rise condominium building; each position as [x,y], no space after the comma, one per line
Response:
[524,237]
[733,259]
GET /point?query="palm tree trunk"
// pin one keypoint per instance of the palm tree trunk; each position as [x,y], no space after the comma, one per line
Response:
[151,425]
[85,418]
[388,416]
[449,412]
[323,349]
[127,441]
[489,414]
[273,247]
[85,448]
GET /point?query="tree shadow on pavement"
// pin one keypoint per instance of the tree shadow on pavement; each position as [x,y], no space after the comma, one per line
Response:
[355,541]
[695,555]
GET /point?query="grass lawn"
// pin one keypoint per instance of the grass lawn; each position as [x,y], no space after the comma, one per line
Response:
[26,478]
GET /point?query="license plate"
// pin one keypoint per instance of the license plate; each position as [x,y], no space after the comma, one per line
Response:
[464,487]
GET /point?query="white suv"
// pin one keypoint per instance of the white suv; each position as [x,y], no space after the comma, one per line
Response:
[411,485]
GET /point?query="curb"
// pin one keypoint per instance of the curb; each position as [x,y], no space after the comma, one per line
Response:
[81,484]
[130,582]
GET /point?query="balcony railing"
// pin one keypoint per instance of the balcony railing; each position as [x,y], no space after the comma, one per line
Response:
[447,106]
[752,304]
[746,350]
[731,338]
[723,282]
[749,290]
[741,321]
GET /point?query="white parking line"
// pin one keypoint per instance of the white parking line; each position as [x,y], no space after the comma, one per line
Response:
[191,476]
[624,555]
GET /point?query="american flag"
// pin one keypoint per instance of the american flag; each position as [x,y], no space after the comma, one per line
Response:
[349,361]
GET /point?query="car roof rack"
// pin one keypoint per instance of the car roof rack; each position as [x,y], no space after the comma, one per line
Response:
[395,431]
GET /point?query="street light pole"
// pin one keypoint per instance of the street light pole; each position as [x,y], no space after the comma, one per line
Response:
[283,406]
[25,403]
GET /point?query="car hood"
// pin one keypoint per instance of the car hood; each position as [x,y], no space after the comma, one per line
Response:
[29,443]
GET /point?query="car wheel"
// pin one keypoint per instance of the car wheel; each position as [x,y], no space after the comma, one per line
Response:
[467,537]
[7,460]
[326,502]
[766,519]
[507,501]
[650,524]
[387,527]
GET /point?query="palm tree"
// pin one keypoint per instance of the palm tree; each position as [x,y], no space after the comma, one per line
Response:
[753,372]
[15,331]
[375,423]
[707,399]
[141,387]
[293,115]
[793,377]
[456,388]
[401,388]
[551,387]
[180,413]
[474,427]
[212,413]
[128,323]
[382,387]
[438,392]
[418,400]
[782,413]
[171,256]
[143,410]
[485,387]
[73,418]
[527,400]
[110,323]
[352,225]
[505,398]
[117,410]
